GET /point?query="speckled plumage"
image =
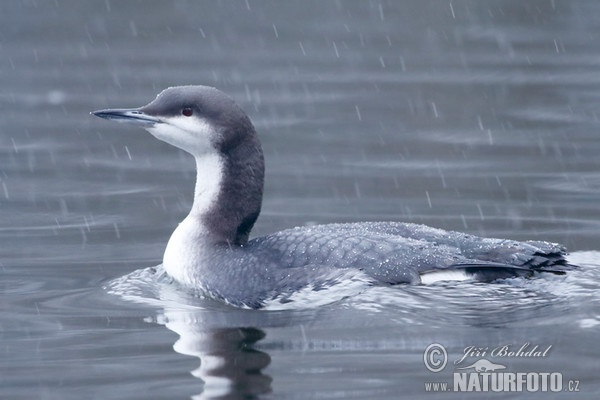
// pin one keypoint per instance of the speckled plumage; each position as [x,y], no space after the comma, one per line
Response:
[210,250]
[390,253]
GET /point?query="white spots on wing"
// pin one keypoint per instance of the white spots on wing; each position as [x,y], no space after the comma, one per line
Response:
[384,247]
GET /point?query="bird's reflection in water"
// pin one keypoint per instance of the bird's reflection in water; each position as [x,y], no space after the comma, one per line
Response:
[229,365]
[222,337]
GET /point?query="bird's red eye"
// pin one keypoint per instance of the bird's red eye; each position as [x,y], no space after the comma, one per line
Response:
[187,112]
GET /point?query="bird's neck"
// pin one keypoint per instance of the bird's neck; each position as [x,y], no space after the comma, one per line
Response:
[209,181]
[191,241]
[228,193]
[227,201]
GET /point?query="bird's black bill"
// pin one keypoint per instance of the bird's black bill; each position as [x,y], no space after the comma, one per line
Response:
[130,116]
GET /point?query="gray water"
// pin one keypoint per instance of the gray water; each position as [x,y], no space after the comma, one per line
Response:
[478,116]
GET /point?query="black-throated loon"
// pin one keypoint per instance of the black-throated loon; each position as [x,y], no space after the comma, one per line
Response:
[210,250]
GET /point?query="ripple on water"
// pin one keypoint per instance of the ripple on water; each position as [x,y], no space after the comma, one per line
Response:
[544,300]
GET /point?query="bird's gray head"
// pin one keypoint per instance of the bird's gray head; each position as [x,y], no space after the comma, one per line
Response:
[208,124]
[197,119]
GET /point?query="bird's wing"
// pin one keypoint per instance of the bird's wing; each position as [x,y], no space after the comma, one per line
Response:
[489,252]
[385,258]
[399,252]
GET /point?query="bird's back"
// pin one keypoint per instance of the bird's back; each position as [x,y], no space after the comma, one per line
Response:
[393,252]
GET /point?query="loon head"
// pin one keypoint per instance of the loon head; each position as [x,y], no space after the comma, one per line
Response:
[198,119]
[208,124]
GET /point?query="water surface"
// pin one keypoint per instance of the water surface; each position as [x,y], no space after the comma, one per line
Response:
[467,115]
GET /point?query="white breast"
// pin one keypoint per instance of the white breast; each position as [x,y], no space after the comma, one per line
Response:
[185,254]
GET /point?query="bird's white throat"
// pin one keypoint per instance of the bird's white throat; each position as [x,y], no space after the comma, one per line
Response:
[185,249]
[192,134]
